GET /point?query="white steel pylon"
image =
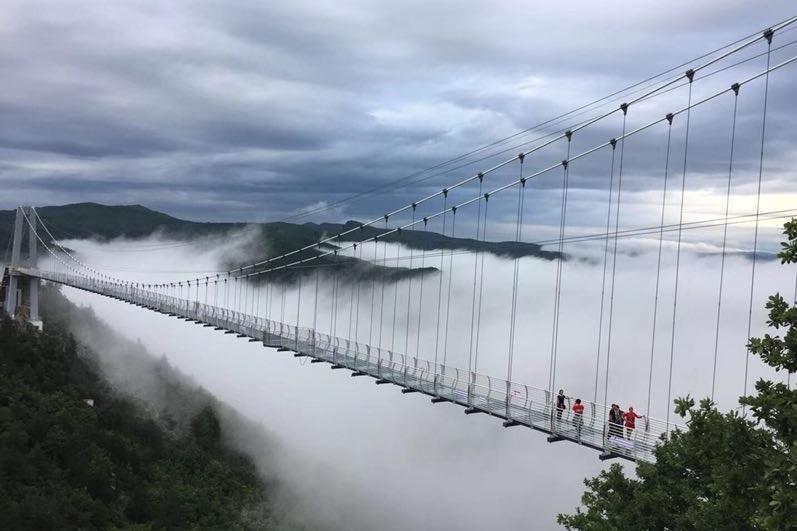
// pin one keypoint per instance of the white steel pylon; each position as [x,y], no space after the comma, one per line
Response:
[22,295]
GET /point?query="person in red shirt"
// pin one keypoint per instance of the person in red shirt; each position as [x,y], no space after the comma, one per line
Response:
[630,421]
[578,416]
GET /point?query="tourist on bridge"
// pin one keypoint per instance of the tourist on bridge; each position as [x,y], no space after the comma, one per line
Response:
[615,421]
[560,404]
[578,416]
[630,421]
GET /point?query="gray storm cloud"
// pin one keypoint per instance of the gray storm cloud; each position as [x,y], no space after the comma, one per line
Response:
[259,111]
[365,456]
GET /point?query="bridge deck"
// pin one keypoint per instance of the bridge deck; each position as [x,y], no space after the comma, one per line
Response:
[516,404]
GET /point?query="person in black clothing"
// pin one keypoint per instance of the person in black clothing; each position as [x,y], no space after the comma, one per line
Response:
[615,421]
[560,404]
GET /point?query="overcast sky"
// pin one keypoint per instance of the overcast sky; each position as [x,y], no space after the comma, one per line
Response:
[259,110]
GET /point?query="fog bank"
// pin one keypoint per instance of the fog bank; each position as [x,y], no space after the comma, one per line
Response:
[364,456]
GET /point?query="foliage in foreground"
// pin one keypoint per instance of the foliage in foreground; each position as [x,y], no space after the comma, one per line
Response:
[67,465]
[725,472]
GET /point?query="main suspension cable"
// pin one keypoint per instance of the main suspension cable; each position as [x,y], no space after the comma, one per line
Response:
[588,123]
[414,177]
[538,173]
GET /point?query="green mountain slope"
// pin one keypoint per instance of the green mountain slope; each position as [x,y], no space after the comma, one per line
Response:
[118,463]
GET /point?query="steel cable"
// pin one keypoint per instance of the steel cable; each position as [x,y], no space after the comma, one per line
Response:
[757,208]
[724,245]
[678,259]
[614,262]
[658,264]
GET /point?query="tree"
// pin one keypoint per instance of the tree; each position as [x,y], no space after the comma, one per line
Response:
[206,429]
[66,465]
[726,471]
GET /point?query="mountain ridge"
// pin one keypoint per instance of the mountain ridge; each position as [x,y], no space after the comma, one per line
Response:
[108,222]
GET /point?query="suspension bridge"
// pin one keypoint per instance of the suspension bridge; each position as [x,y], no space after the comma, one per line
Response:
[229,301]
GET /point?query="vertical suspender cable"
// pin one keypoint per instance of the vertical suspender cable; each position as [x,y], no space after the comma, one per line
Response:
[298,303]
[658,260]
[395,292]
[373,294]
[382,288]
[246,286]
[357,310]
[239,293]
[420,296]
[409,292]
[256,294]
[603,278]
[521,195]
[351,297]
[282,303]
[244,299]
[559,261]
[481,287]
[268,299]
[440,284]
[724,240]
[624,107]
[768,36]
[234,296]
[450,276]
[690,75]
[315,302]
[475,273]
[335,298]
[226,292]
[794,303]
[334,311]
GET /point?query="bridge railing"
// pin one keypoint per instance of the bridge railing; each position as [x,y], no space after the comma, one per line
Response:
[516,403]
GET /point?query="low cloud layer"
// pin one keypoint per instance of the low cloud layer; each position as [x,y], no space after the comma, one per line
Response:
[365,456]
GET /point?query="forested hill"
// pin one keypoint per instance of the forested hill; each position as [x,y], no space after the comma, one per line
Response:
[92,220]
[76,453]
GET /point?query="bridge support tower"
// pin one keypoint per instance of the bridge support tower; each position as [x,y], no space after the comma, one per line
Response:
[22,292]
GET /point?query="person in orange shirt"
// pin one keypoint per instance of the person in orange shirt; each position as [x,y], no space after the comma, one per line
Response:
[630,421]
[578,416]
